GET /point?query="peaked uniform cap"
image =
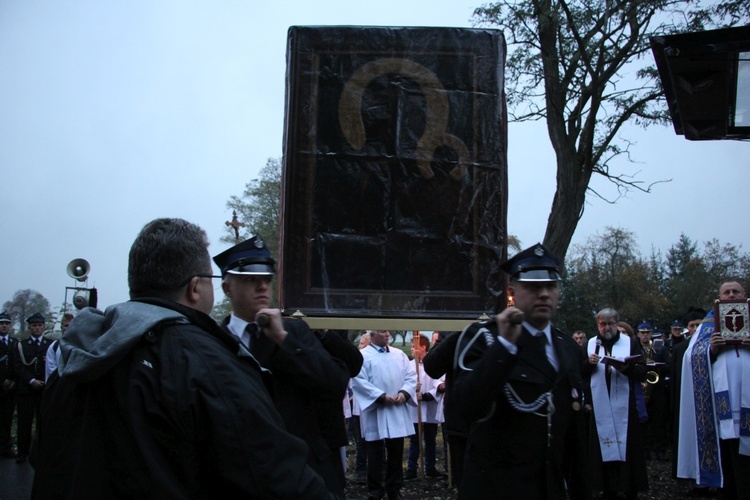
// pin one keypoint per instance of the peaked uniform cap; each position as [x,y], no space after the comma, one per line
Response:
[5,317]
[644,327]
[536,263]
[35,318]
[251,257]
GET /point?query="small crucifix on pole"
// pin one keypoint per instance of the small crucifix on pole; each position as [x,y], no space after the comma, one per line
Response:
[236,225]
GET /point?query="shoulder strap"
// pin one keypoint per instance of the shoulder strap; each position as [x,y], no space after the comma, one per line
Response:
[20,353]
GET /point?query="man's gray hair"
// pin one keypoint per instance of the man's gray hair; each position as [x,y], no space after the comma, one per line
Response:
[165,254]
[608,312]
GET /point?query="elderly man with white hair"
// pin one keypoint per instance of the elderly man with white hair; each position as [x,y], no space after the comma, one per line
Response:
[613,370]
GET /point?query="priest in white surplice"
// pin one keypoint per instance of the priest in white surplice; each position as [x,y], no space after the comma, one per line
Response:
[384,389]
[714,443]
[615,448]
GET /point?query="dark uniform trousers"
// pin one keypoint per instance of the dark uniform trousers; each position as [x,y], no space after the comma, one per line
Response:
[30,366]
[394,473]
[7,395]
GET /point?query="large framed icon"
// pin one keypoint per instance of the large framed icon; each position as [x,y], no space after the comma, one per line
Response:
[394,183]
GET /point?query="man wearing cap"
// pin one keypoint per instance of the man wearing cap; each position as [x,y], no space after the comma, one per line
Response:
[692,320]
[303,372]
[616,461]
[153,400]
[29,364]
[654,352]
[645,335]
[714,445]
[675,338]
[7,386]
[439,362]
[518,381]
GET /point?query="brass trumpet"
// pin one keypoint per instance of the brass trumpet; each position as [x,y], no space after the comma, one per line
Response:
[652,377]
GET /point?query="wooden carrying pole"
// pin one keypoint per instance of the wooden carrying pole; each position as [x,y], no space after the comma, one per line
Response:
[418,346]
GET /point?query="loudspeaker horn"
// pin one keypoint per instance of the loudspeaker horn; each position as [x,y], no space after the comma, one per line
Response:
[85,297]
[78,269]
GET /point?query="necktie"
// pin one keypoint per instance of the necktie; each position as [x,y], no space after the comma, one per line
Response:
[251,331]
[541,339]
[542,342]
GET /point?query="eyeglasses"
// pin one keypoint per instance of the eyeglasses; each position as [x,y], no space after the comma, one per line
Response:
[606,323]
[211,276]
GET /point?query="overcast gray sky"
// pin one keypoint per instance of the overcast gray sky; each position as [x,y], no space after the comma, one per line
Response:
[113,113]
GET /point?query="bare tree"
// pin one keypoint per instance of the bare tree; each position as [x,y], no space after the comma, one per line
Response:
[577,64]
[25,303]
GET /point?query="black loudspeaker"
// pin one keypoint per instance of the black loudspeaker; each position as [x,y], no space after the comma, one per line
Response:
[85,297]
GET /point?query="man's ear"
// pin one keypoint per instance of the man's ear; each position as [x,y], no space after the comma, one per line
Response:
[192,294]
[226,288]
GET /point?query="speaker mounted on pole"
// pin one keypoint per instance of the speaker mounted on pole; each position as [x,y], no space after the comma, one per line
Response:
[78,269]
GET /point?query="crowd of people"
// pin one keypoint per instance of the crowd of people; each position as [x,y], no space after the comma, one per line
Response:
[153,398]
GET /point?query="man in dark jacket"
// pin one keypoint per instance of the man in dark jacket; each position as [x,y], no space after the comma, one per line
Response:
[304,374]
[7,386]
[29,362]
[152,399]
[518,381]
[329,412]
[439,362]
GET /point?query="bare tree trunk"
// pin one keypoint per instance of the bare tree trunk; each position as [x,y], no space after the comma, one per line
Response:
[567,205]
[573,170]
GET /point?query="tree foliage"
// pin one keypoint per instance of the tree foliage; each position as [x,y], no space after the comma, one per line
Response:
[258,209]
[25,303]
[609,271]
[584,66]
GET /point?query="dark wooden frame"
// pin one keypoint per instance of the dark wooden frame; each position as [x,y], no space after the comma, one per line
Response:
[364,232]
